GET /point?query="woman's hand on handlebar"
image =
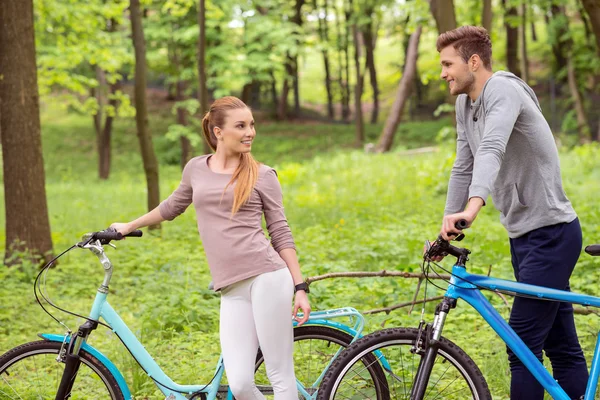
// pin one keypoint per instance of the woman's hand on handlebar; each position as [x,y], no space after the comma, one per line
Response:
[122,228]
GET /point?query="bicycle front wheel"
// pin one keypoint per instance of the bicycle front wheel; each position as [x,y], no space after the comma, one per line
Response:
[314,348]
[454,375]
[31,371]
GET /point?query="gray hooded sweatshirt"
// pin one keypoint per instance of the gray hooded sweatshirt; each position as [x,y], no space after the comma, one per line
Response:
[505,148]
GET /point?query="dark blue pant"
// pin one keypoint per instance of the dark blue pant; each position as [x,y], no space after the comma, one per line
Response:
[546,257]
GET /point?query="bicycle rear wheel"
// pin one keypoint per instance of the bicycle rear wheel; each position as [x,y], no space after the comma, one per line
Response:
[31,371]
[314,348]
[454,375]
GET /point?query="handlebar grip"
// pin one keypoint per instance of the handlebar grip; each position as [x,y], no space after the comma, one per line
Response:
[136,233]
[108,235]
[461,224]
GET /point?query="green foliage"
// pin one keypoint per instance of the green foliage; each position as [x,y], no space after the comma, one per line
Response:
[348,211]
[75,37]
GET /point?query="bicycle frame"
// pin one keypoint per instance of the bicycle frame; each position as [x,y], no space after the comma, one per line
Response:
[101,308]
[466,286]
[172,390]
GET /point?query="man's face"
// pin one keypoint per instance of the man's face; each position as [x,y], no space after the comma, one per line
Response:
[455,71]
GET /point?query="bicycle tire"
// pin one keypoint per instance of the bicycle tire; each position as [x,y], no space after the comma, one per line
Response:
[463,368]
[332,336]
[36,359]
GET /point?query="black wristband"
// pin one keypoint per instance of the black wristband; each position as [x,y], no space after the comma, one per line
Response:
[302,286]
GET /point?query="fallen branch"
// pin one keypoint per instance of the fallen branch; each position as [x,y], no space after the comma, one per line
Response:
[420,276]
[420,150]
[585,311]
[379,274]
[408,303]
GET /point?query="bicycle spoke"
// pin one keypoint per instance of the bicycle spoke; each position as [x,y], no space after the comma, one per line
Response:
[10,387]
[453,375]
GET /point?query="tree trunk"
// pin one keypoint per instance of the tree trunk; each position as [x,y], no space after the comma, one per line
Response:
[486,16]
[347,60]
[98,93]
[104,138]
[186,146]
[330,109]
[141,107]
[370,64]
[589,35]
[297,19]
[246,95]
[202,89]
[557,32]
[443,13]
[358,89]
[296,87]
[532,23]
[523,42]
[324,37]
[406,83]
[445,20]
[512,39]
[342,48]
[582,123]
[282,107]
[274,99]
[592,7]
[27,223]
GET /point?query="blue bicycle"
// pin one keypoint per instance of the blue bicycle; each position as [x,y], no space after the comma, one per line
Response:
[425,365]
[67,367]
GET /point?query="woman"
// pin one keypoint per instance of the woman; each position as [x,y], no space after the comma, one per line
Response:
[257,278]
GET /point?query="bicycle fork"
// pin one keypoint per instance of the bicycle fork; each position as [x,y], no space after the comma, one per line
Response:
[427,344]
[70,356]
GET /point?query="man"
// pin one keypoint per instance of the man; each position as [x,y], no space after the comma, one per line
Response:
[505,148]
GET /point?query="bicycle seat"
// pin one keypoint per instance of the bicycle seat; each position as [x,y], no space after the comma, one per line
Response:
[593,250]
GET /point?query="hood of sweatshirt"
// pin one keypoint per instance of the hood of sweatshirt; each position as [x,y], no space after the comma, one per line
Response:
[517,80]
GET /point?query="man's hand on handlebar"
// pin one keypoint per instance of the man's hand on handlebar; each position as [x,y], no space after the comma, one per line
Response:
[450,225]
[432,250]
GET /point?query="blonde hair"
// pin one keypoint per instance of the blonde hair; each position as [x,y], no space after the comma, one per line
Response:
[246,173]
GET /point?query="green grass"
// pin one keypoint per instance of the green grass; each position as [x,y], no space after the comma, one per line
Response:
[349,211]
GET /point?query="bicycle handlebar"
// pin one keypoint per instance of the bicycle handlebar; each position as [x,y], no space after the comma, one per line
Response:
[442,247]
[106,235]
[111,234]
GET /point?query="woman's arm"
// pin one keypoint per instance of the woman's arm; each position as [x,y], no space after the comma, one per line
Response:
[173,206]
[281,236]
[151,218]
[301,299]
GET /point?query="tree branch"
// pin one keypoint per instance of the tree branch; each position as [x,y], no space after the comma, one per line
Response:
[408,303]
[379,274]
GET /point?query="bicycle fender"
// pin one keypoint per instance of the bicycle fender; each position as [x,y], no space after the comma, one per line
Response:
[349,331]
[101,357]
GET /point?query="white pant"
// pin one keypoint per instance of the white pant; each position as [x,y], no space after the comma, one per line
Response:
[257,311]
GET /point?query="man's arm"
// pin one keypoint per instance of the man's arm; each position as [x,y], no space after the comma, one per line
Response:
[460,176]
[503,105]
[502,108]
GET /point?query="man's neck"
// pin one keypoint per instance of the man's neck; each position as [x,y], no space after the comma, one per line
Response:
[480,81]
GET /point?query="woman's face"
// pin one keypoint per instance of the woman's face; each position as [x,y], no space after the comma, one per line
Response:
[237,133]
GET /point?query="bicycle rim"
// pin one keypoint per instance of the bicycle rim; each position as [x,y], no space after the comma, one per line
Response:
[31,371]
[454,375]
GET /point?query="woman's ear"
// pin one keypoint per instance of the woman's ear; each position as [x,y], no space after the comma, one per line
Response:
[217,133]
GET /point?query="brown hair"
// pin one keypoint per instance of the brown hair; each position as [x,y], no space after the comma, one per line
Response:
[468,40]
[246,174]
